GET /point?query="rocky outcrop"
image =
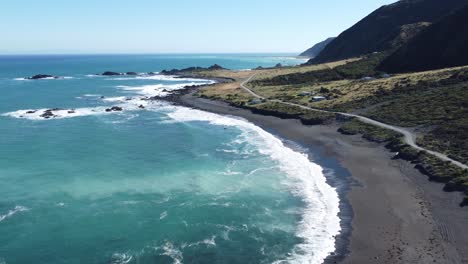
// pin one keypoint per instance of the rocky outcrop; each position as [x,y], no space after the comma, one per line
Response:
[114,109]
[110,73]
[131,73]
[41,76]
[214,67]
[49,113]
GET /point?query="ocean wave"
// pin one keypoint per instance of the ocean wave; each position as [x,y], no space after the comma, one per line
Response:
[170,78]
[159,89]
[127,103]
[319,223]
[171,251]
[163,215]
[36,114]
[121,258]
[210,242]
[12,212]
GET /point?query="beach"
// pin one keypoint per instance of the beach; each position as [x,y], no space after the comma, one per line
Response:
[390,212]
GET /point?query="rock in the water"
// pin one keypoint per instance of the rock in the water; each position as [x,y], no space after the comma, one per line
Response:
[141,107]
[71,111]
[41,76]
[132,73]
[31,112]
[114,109]
[48,114]
[109,73]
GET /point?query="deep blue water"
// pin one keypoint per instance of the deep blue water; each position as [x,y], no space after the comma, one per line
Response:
[154,183]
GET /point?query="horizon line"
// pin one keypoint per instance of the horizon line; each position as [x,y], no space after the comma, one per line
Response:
[147,53]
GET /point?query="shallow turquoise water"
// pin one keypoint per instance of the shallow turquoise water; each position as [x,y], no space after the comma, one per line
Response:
[163,184]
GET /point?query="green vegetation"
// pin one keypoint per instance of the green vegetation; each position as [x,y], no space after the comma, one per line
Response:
[369,132]
[442,107]
[307,117]
[353,70]
[433,103]
[456,179]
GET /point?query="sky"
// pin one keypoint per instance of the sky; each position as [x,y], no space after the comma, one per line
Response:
[175,26]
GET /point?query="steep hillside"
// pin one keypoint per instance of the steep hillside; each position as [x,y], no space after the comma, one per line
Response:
[316,49]
[379,30]
[444,44]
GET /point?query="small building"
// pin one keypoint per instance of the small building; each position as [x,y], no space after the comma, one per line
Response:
[367,78]
[385,75]
[318,98]
[255,102]
[304,93]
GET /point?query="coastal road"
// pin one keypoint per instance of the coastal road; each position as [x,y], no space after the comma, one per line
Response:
[409,137]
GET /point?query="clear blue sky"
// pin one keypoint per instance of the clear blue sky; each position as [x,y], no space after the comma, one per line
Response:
[175,26]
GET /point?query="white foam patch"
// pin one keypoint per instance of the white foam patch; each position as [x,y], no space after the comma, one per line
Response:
[171,251]
[116,99]
[127,103]
[320,222]
[14,211]
[48,78]
[36,114]
[121,258]
[163,215]
[210,242]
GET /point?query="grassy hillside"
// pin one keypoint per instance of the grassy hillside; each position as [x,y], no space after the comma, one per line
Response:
[443,44]
[387,28]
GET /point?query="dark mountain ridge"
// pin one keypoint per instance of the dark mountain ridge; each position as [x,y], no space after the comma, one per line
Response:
[442,45]
[317,48]
[381,30]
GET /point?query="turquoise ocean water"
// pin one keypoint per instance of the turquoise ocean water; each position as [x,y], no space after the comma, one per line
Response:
[163,184]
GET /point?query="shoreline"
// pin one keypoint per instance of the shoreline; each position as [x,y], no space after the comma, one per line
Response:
[389,211]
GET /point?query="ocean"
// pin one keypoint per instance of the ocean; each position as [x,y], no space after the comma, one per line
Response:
[153,183]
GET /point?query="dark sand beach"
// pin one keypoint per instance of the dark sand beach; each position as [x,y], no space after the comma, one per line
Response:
[390,212]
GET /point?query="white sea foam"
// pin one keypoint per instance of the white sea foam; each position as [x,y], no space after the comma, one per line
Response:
[160,89]
[320,222]
[137,101]
[211,242]
[121,258]
[171,251]
[12,212]
[48,78]
[35,114]
[163,215]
